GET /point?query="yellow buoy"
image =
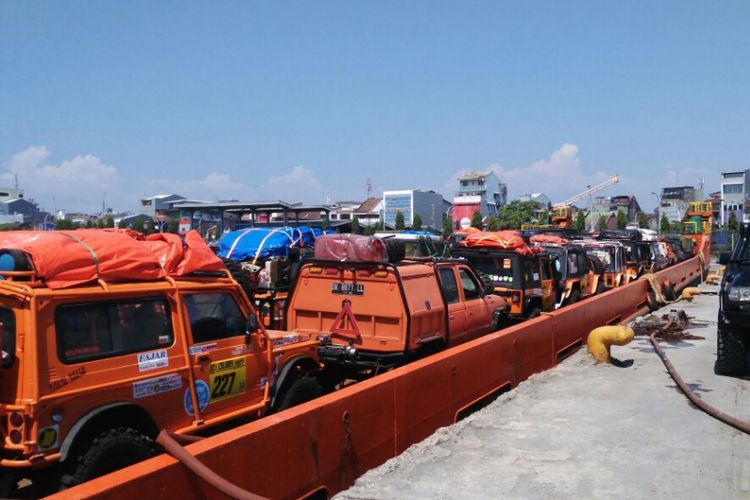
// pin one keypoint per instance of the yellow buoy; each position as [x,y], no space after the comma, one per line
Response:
[691,292]
[601,339]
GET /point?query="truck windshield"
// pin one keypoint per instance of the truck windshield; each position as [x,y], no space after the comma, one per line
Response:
[8,325]
[503,271]
[605,256]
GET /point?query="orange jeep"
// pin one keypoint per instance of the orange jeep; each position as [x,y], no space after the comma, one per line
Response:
[92,372]
[371,315]
[519,273]
[611,254]
[578,275]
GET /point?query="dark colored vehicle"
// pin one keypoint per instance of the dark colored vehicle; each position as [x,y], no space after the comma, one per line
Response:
[526,281]
[575,275]
[733,335]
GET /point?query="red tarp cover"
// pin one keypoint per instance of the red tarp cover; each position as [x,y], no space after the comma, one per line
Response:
[69,258]
[548,238]
[508,240]
[350,246]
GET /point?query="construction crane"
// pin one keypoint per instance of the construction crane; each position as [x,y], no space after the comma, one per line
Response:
[588,192]
[561,216]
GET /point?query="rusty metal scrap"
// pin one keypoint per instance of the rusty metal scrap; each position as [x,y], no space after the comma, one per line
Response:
[668,327]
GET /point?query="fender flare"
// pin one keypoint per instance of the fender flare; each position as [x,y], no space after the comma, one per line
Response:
[81,423]
[279,382]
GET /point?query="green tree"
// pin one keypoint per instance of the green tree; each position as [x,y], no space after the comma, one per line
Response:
[664,224]
[137,225]
[417,223]
[371,229]
[732,224]
[622,220]
[173,226]
[355,225]
[447,226]
[516,213]
[601,223]
[476,219]
[63,224]
[642,220]
[89,223]
[110,222]
[400,221]
[579,224]
[493,223]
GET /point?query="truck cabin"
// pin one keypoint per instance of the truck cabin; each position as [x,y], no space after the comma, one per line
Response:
[571,267]
[611,255]
[523,280]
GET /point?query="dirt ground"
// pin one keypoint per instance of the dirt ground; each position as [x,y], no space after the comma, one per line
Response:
[584,430]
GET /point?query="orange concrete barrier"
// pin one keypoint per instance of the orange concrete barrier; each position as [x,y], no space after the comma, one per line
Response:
[324,445]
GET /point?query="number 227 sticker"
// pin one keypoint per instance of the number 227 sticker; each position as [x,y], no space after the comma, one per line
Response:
[228,378]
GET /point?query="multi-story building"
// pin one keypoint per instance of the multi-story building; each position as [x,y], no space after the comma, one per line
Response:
[478,191]
[369,213]
[428,204]
[735,196]
[343,210]
[609,206]
[161,203]
[675,200]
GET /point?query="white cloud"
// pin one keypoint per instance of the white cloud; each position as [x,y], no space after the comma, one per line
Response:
[560,176]
[76,184]
[213,186]
[299,176]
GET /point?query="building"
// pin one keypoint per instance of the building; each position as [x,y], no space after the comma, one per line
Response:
[343,210]
[7,193]
[540,198]
[428,204]
[735,193]
[715,199]
[607,207]
[159,204]
[23,207]
[370,212]
[675,200]
[478,191]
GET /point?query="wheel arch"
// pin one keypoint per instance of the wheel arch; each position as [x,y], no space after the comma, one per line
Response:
[110,415]
[300,362]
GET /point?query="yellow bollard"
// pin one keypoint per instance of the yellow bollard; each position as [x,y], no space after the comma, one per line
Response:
[691,292]
[602,338]
[711,279]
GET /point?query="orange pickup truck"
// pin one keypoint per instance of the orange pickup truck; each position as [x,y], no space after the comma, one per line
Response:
[371,315]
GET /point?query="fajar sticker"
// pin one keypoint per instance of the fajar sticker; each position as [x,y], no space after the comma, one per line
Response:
[228,378]
[202,393]
[157,385]
[48,437]
[152,360]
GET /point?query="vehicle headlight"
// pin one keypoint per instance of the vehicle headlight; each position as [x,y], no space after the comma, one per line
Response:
[738,293]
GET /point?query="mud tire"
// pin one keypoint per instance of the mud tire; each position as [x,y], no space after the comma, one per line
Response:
[302,389]
[535,313]
[731,352]
[241,276]
[395,248]
[108,451]
[575,296]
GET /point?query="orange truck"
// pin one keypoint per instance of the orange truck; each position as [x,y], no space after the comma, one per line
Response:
[113,345]
[371,314]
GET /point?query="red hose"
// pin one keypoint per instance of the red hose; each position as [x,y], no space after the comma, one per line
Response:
[231,490]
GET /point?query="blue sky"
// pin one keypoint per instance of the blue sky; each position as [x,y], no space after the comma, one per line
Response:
[306,100]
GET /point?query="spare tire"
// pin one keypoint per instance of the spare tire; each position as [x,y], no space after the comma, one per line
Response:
[246,279]
[395,248]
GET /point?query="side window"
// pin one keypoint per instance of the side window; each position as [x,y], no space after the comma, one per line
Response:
[471,289]
[546,272]
[531,273]
[572,264]
[450,288]
[214,316]
[8,332]
[104,329]
[583,263]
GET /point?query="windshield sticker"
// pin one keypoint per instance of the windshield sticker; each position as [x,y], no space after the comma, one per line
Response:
[228,378]
[506,263]
[152,360]
[153,386]
[202,393]
[48,437]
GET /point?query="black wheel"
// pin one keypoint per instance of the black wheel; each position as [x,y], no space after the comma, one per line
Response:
[395,248]
[109,451]
[653,304]
[575,296]
[535,313]
[246,279]
[731,352]
[669,293]
[601,287]
[300,390]
[8,483]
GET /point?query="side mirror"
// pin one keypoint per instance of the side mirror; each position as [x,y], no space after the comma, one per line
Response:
[252,324]
[724,258]
[487,285]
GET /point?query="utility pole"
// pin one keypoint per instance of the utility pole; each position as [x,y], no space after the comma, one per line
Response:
[658,212]
[368,187]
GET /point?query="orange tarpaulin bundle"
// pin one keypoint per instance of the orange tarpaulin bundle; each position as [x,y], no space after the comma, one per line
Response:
[549,238]
[508,240]
[69,258]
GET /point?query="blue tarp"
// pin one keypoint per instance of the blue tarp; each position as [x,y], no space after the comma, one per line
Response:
[265,242]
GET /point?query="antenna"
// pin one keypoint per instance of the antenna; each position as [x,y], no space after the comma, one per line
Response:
[16,180]
[368,187]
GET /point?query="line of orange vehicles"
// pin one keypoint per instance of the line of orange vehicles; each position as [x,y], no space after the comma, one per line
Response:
[108,337]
